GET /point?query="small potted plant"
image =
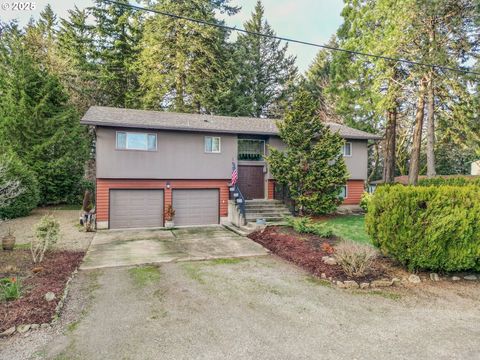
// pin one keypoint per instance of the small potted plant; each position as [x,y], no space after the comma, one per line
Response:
[169,214]
[8,241]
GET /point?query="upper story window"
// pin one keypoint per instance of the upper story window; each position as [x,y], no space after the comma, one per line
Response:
[347,149]
[212,144]
[251,149]
[136,141]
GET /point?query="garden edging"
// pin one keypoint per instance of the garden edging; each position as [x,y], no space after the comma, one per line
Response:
[24,328]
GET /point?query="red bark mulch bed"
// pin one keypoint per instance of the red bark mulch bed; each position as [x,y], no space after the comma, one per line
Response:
[32,308]
[307,250]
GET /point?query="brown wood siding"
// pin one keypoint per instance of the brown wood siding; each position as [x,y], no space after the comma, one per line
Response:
[251,181]
[355,189]
[271,190]
[104,186]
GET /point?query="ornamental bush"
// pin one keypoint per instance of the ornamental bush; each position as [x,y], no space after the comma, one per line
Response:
[427,227]
[29,197]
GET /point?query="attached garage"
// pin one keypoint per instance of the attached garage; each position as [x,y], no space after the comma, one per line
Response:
[196,206]
[136,208]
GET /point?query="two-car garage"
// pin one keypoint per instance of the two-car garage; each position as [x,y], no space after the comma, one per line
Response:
[143,208]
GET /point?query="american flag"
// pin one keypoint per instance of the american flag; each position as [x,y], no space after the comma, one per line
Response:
[234,173]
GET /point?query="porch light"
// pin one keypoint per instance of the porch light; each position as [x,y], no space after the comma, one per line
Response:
[168,184]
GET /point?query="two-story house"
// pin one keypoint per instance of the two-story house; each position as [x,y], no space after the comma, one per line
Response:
[146,160]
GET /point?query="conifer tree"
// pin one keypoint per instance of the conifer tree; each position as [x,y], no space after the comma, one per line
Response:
[37,123]
[312,167]
[265,72]
[184,65]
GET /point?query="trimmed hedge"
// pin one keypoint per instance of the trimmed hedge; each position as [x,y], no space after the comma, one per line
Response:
[435,227]
[29,198]
[453,181]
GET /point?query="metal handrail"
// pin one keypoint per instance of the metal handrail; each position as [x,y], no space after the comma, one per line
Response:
[240,205]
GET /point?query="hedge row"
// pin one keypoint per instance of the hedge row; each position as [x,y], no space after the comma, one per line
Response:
[434,227]
[453,181]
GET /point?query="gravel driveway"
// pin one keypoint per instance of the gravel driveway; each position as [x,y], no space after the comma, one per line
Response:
[72,236]
[253,308]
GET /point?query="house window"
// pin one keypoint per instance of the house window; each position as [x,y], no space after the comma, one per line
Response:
[136,141]
[251,149]
[212,144]
[344,192]
[347,149]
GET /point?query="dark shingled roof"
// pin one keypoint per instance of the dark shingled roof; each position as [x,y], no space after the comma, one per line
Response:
[146,119]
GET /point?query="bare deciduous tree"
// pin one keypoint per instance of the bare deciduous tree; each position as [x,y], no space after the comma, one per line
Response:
[9,189]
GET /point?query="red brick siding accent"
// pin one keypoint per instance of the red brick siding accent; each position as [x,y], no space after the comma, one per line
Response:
[355,189]
[271,189]
[104,186]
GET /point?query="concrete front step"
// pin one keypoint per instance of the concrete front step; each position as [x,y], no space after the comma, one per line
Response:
[267,208]
[267,214]
[267,219]
[263,202]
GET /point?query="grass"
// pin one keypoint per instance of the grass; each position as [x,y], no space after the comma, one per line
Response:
[144,275]
[193,272]
[349,227]
[226,261]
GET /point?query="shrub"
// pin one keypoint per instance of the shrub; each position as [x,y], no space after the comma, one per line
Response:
[435,227]
[451,180]
[366,198]
[47,233]
[305,225]
[10,289]
[354,258]
[23,204]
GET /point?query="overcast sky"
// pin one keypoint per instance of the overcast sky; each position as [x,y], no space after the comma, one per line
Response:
[308,20]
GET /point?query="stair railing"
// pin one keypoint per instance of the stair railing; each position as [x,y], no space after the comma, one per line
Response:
[239,198]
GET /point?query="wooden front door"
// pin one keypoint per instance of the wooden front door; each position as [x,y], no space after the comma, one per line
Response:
[251,181]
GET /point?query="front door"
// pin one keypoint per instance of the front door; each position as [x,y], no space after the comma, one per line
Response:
[251,181]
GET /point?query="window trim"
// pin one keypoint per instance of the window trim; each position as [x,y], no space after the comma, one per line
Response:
[346,192]
[344,148]
[219,144]
[264,147]
[135,132]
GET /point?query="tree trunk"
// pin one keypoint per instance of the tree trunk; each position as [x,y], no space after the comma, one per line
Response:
[417,136]
[376,161]
[390,147]
[431,128]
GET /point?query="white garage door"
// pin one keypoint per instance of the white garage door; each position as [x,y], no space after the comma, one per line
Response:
[196,207]
[136,208]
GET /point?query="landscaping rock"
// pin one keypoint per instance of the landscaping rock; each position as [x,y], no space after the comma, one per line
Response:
[414,279]
[381,283]
[323,276]
[364,285]
[340,284]
[456,278]
[396,281]
[470,277]
[434,277]
[350,284]
[22,329]
[49,296]
[35,326]
[8,332]
[45,326]
[329,260]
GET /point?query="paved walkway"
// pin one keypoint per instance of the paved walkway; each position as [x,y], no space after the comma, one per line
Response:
[114,248]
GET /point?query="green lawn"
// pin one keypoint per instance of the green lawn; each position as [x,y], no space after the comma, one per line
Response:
[351,227]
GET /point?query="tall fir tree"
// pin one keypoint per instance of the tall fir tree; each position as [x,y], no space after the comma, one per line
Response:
[117,33]
[75,42]
[311,167]
[184,66]
[265,73]
[37,123]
